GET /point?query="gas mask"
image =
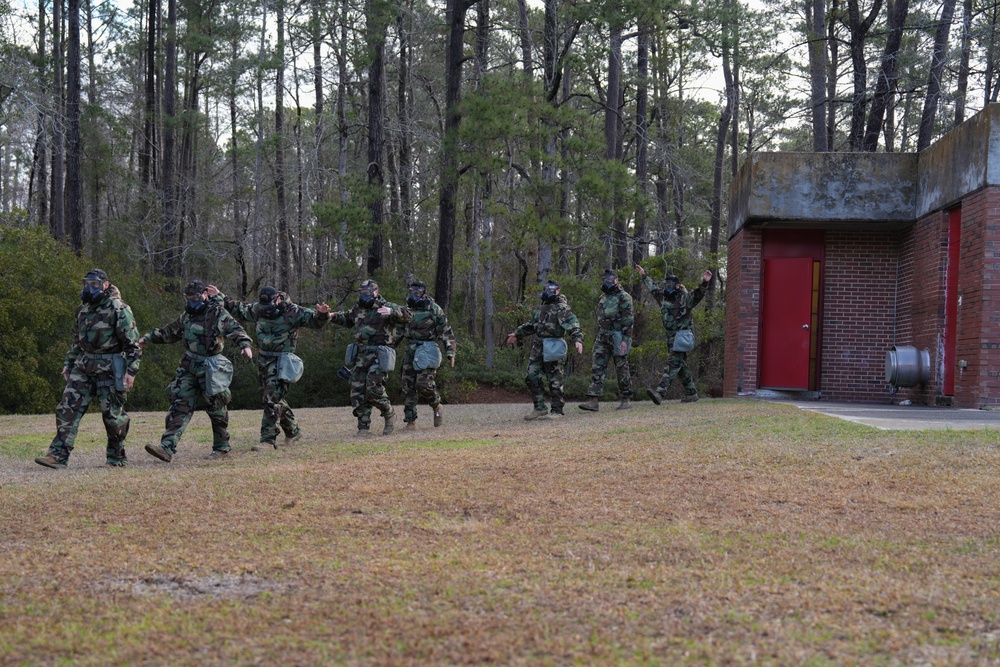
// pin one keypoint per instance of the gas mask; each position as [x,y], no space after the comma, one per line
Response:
[551,293]
[367,297]
[417,297]
[270,306]
[92,292]
[608,285]
[195,306]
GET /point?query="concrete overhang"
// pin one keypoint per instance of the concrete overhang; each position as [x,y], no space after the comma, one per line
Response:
[871,191]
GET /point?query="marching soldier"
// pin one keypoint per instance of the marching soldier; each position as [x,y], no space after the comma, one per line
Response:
[428,325]
[277,320]
[614,338]
[101,363]
[550,323]
[202,326]
[373,319]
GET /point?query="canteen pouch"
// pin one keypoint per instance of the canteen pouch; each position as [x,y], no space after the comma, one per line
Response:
[290,367]
[386,358]
[427,355]
[683,341]
[120,367]
[351,354]
[617,337]
[553,349]
[218,375]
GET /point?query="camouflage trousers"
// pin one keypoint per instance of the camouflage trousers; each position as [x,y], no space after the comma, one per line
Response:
[368,388]
[185,397]
[603,352]
[418,385]
[277,412]
[539,370]
[676,368]
[81,389]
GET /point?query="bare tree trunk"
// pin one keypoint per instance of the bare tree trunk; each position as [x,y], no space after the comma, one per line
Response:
[612,140]
[545,204]
[488,305]
[58,224]
[284,238]
[297,236]
[455,13]
[403,109]
[887,74]
[640,249]
[831,78]
[236,201]
[172,266]
[479,203]
[38,183]
[342,125]
[859,28]
[147,152]
[938,58]
[524,33]
[376,115]
[720,147]
[258,185]
[319,134]
[990,66]
[816,11]
[962,88]
[93,101]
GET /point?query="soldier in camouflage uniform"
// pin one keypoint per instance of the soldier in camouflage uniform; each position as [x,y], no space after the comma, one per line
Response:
[104,334]
[614,336]
[429,323]
[202,326]
[553,319]
[676,304]
[277,320]
[374,320]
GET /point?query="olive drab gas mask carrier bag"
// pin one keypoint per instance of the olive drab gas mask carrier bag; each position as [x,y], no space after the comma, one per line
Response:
[427,355]
[553,349]
[218,375]
[290,367]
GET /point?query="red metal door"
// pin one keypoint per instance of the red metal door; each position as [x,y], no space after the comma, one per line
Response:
[786,305]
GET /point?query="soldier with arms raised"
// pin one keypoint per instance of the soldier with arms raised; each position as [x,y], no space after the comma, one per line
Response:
[676,305]
[277,320]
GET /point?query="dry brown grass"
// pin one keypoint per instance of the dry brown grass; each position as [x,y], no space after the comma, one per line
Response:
[722,532]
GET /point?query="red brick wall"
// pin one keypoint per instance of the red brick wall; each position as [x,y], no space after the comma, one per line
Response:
[742,312]
[978,384]
[857,323]
[923,261]
[866,311]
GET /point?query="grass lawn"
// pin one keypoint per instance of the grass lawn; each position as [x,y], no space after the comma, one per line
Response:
[719,532]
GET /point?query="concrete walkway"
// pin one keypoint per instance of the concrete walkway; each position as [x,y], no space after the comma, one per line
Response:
[905,417]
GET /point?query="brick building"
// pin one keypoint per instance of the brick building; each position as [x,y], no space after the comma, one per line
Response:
[835,258]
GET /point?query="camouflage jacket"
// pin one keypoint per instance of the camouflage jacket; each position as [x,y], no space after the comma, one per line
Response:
[370,328]
[552,320]
[614,313]
[202,333]
[676,309]
[276,334]
[428,323]
[106,327]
